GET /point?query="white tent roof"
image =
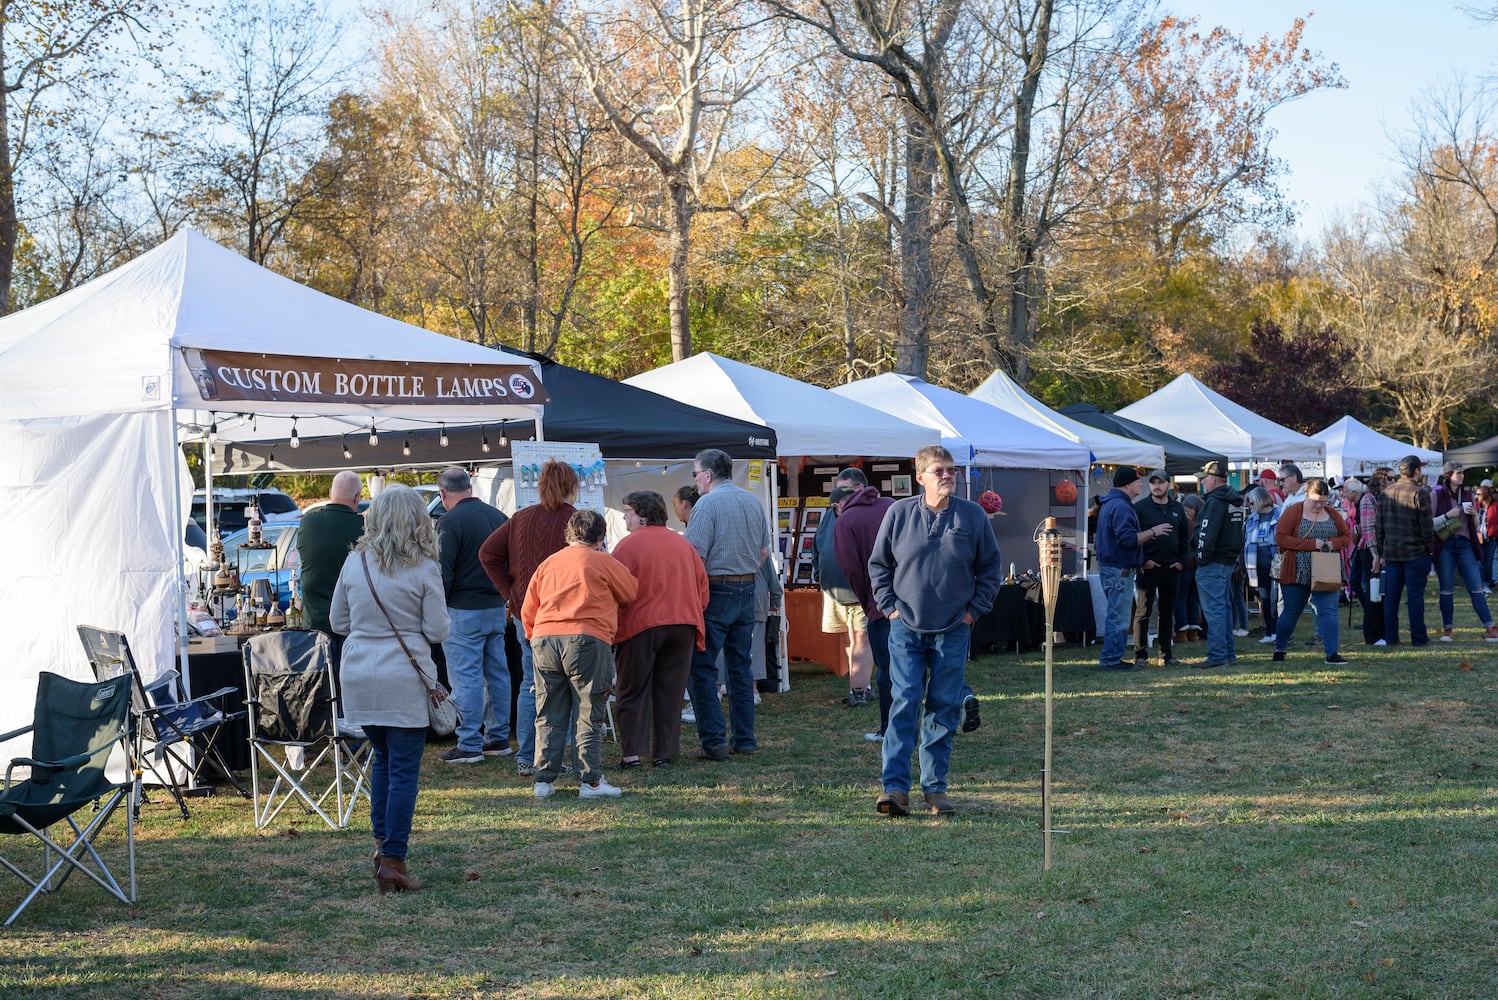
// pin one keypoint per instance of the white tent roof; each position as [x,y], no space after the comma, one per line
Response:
[1355,449]
[114,345]
[999,439]
[1193,412]
[808,420]
[1110,449]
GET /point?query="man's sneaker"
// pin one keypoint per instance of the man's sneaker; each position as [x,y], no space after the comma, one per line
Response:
[497,749]
[1267,638]
[457,755]
[525,767]
[1335,659]
[1382,642]
[1448,634]
[856,698]
[1279,656]
[544,789]
[687,715]
[873,737]
[1241,633]
[602,790]
[970,719]
[1492,634]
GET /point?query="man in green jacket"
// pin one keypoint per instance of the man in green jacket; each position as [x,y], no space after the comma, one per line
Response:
[323,541]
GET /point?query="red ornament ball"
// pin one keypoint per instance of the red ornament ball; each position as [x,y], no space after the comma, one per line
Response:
[991,502]
[1066,491]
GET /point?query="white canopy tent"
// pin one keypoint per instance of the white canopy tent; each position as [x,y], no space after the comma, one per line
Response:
[1355,449]
[99,386]
[1108,449]
[1195,413]
[995,437]
[808,420]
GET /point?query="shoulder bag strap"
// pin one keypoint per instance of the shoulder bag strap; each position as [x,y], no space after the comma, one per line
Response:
[364,562]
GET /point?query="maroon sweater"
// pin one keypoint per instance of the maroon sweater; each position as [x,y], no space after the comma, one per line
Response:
[511,554]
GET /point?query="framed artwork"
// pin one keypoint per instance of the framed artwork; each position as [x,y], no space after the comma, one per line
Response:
[899,486]
[810,518]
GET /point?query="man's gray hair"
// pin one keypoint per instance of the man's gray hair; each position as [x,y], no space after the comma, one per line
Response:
[1291,469]
[346,487]
[454,480]
[853,476]
[715,463]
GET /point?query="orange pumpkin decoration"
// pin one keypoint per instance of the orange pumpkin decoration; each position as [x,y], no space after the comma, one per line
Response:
[1066,491]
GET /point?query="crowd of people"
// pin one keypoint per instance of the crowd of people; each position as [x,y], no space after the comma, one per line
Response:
[1289,543]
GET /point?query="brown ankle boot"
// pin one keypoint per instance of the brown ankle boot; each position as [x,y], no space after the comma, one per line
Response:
[392,876]
[379,845]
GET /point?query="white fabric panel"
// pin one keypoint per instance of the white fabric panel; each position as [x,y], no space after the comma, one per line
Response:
[89,524]
[1195,413]
[1110,449]
[975,432]
[1355,449]
[808,420]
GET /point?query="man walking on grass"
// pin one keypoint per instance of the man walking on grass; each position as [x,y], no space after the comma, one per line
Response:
[1404,536]
[1219,545]
[935,570]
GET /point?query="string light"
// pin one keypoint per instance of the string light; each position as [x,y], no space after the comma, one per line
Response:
[503,441]
[374,435]
[406,446]
[483,439]
[442,438]
[296,442]
[213,427]
[346,452]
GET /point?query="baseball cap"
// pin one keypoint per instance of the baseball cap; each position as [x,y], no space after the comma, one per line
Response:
[1214,468]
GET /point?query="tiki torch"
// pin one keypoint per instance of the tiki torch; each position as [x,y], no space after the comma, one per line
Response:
[1048,537]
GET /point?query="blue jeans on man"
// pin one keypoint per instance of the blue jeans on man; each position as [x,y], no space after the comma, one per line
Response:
[728,624]
[1212,582]
[393,770]
[1401,576]
[933,665]
[1457,554]
[479,675]
[1118,594]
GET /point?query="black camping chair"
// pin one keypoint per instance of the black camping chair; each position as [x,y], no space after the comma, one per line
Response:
[74,729]
[184,732]
[298,743]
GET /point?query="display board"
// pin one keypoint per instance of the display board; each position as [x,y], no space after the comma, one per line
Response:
[586,460]
[796,525]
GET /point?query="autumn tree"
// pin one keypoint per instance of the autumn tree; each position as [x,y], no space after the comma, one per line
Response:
[1304,381]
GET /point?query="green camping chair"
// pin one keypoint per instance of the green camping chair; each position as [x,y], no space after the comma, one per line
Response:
[75,728]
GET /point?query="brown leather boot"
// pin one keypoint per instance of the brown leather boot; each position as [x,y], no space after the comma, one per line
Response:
[392,876]
[379,845]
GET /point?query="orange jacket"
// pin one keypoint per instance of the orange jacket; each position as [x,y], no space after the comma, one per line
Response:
[577,591]
[1288,540]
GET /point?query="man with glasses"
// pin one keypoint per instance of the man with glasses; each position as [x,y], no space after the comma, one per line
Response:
[731,533]
[935,570]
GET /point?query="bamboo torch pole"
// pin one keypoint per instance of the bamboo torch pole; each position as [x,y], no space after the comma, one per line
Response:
[1049,539]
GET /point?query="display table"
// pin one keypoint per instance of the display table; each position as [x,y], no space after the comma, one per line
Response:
[1018,615]
[805,639]
[208,672]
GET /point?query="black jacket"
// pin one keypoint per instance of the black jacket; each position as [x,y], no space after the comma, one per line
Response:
[1166,549]
[1219,527]
[460,532]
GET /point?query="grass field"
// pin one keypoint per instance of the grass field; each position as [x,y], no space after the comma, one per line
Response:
[1273,830]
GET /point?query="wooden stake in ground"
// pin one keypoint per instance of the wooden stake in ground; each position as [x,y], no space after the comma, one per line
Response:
[1049,539]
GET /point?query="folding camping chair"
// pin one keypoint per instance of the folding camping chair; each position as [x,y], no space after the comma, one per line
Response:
[74,729]
[297,741]
[175,725]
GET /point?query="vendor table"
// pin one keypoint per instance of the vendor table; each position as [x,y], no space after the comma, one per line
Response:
[805,639]
[1018,615]
[209,672]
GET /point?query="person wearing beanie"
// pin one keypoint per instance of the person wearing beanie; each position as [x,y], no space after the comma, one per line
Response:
[1120,553]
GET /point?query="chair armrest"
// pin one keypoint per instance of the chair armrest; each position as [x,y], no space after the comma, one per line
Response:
[66,764]
[7,737]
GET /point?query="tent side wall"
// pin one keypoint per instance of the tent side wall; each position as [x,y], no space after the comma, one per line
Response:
[88,521]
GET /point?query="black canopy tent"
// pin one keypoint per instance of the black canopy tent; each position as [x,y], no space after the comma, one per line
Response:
[1182,458]
[1482,454]
[626,423]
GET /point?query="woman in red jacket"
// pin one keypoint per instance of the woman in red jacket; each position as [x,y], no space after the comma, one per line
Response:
[1311,526]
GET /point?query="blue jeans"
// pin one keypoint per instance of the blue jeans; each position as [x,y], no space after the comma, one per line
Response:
[1239,602]
[929,666]
[1325,603]
[1118,592]
[480,675]
[1457,553]
[1398,577]
[879,645]
[1212,583]
[729,627]
[525,707]
[393,770]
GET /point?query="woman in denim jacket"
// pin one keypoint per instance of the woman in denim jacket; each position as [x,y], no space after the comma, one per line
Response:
[1258,553]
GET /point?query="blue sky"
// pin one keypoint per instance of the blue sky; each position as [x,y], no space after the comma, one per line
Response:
[1340,146]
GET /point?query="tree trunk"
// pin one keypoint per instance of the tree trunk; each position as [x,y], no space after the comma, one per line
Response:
[913,337]
[680,285]
[8,223]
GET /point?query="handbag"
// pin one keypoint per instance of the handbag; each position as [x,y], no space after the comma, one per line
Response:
[1275,565]
[442,714]
[1326,571]
[1447,528]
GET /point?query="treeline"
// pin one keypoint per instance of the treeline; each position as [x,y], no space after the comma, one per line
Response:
[1083,192]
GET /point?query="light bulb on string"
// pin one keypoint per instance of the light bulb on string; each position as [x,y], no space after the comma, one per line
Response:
[442,438]
[503,441]
[296,442]
[346,452]
[374,435]
[406,446]
[483,439]
[212,427]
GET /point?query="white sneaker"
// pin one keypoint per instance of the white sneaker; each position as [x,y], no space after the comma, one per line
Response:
[1267,638]
[687,715]
[1241,633]
[1382,642]
[756,696]
[544,789]
[874,737]
[602,790]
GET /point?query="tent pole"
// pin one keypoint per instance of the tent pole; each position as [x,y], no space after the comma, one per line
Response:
[179,630]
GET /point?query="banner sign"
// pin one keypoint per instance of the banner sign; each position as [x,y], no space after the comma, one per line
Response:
[231,376]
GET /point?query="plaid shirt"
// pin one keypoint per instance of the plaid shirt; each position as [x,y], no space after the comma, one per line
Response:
[1367,521]
[1403,530]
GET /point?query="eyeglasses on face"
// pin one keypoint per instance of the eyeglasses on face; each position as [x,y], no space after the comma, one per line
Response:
[942,472]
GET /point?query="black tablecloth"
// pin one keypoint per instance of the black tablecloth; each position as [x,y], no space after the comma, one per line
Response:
[1018,615]
[206,673]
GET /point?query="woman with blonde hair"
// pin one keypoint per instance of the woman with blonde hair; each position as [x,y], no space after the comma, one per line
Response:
[389,601]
